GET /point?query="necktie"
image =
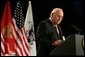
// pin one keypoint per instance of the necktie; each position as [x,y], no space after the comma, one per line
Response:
[57,30]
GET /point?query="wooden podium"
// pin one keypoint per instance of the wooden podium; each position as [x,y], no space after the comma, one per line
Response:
[71,47]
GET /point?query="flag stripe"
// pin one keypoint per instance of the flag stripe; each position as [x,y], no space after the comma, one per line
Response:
[18,52]
[2,51]
[2,43]
[21,38]
[2,37]
[22,41]
[25,40]
[19,43]
[17,40]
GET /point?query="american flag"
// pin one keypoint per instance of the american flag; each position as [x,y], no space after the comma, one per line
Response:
[22,46]
[18,15]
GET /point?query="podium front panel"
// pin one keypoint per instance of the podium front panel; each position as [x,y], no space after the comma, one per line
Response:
[72,46]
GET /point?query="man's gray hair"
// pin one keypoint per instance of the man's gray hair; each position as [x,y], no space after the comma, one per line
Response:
[55,10]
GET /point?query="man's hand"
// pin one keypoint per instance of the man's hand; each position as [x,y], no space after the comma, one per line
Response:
[57,42]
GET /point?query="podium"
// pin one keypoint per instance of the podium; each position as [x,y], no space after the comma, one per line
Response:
[71,47]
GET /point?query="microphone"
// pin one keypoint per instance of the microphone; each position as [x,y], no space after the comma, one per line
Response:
[76,28]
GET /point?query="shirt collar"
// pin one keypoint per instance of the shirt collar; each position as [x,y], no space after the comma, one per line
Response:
[52,22]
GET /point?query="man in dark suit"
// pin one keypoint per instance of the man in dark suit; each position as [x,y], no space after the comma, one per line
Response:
[49,34]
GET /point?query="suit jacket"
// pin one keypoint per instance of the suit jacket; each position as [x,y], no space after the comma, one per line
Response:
[46,34]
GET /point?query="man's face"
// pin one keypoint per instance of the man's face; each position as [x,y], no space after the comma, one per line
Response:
[57,17]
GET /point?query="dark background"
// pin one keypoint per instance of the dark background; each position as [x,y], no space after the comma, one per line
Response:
[73,20]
